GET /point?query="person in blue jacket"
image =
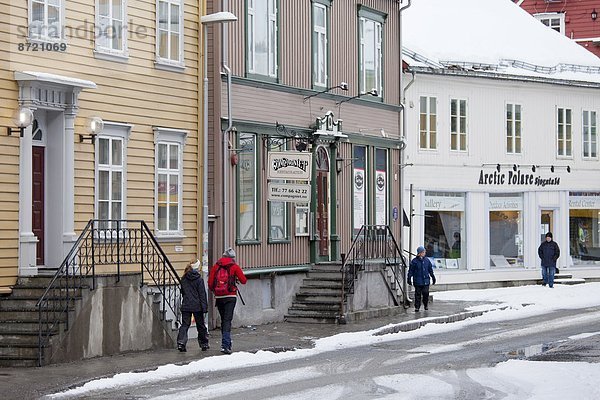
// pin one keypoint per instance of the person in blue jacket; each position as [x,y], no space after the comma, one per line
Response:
[419,271]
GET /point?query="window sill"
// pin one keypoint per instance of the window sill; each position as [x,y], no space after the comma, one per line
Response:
[166,66]
[44,40]
[163,238]
[109,56]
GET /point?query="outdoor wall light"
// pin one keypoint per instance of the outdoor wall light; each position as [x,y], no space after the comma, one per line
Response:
[533,168]
[22,118]
[373,92]
[94,125]
[594,14]
[552,168]
[498,167]
[515,167]
[342,85]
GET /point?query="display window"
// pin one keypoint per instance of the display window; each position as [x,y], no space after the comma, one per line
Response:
[506,230]
[584,228]
[444,229]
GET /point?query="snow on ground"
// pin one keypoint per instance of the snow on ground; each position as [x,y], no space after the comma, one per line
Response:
[517,302]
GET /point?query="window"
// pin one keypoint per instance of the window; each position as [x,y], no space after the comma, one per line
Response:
[555,21]
[110,188]
[590,134]
[458,124]
[319,42]
[168,190]
[111,34]
[261,39]
[359,183]
[247,193]
[169,36]
[584,228]
[564,132]
[506,230]
[513,128]
[370,51]
[46,19]
[444,225]
[381,187]
[278,210]
[427,122]
[301,220]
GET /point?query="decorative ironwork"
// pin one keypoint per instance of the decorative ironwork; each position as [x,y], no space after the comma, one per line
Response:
[113,243]
[286,136]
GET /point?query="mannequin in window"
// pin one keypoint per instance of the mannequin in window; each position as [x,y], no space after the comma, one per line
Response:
[455,252]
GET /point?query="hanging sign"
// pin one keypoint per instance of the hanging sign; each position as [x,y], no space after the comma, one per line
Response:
[293,165]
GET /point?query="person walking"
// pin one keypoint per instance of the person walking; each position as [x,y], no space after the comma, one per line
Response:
[549,253]
[194,303]
[419,271]
[222,282]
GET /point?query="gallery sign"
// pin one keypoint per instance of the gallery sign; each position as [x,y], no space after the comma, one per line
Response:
[289,165]
[515,178]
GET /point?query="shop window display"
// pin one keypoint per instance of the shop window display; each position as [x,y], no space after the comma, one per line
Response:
[506,238]
[584,236]
[443,238]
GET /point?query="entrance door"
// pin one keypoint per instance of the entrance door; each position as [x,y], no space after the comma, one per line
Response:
[322,161]
[38,201]
[546,223]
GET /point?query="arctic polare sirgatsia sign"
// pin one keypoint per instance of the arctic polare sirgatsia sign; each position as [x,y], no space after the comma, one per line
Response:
[289,165]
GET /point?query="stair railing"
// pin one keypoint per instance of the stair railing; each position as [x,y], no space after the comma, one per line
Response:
[373,242]
[112,244]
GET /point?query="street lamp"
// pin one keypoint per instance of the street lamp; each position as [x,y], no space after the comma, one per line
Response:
[215,18]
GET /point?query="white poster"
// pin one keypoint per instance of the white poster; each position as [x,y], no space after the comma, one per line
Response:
[380,198]
[359,198]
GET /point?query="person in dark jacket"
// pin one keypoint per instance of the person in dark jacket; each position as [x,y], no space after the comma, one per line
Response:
[419,271]
[549,253]
[194,303]
[225,302]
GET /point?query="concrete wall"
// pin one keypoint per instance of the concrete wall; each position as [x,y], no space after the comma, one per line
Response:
[370,290]
[114,318]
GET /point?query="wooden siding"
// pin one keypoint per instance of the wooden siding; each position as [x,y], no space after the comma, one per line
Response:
[133,92]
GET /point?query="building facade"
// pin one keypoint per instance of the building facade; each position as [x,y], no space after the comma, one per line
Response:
[577,20]
[311,83]
[80,66]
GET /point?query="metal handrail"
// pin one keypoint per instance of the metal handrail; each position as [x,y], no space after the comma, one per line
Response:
[372,242]
[105,242]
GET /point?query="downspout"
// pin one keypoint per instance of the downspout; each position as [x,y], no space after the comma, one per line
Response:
[225,155]
[402,122]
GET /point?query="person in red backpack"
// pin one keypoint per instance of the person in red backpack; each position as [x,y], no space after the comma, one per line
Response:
[222,282]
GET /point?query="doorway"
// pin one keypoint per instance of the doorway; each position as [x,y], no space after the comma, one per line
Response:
[322,180]
[37,208]
[546,223]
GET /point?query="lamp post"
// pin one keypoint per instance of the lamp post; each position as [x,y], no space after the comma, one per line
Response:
[205,20]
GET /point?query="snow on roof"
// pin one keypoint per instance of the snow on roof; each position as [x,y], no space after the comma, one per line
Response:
[491,35]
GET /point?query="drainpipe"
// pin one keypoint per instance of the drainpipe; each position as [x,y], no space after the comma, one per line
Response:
[225,155]
[402,122]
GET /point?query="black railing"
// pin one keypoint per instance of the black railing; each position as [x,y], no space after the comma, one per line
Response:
[109,243]
[374,243]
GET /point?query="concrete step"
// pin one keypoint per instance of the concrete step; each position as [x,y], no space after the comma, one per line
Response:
[38,291]
[326,268]
[325,276]
[310,319]
[319,291]
[22,327]
[315,306]
[18,362]
[571,281]
[18,350]
[317,283]
[30,315]
[17,303]
[563,275]
[317,298]
[322,313]
[20,338]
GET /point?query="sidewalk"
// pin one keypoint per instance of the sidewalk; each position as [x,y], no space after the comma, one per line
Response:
[32,383]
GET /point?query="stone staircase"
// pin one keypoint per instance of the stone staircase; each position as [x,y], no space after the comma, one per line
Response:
[318,299]
[19,323]
[567,279]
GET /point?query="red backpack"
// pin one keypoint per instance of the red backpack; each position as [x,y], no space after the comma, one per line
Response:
[224,282]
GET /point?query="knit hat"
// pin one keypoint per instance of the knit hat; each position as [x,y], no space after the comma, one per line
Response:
[549,234]
[420,249]
[229,253]
[196,265]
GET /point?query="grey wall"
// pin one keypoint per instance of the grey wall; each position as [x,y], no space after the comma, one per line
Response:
[370,291]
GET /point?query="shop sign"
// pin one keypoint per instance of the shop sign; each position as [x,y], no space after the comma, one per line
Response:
[442,203]
[584,202]
[506,203]
[516,178]
[296,193]
[294,165]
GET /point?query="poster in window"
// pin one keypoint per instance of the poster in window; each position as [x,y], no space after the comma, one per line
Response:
[380,198]
[359,198]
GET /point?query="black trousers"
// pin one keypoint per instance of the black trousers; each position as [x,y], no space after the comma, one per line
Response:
[226,306]
[186,321]
[421,291]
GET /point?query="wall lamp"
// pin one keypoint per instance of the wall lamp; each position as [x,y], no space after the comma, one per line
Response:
[340,163]
[342,85]
[22,118]
[94,125]
[373,92]
[594,14]
[533,167]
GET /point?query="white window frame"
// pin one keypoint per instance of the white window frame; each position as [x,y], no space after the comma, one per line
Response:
[517,130]
[589,122]
[551,16]
[169,137]
[243,156]
[112,131]
[428,128]
[321,43]
[44,36]
[272,42]
[561,144]
[166,62]
[378,48]
[108,51]
[459,133]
